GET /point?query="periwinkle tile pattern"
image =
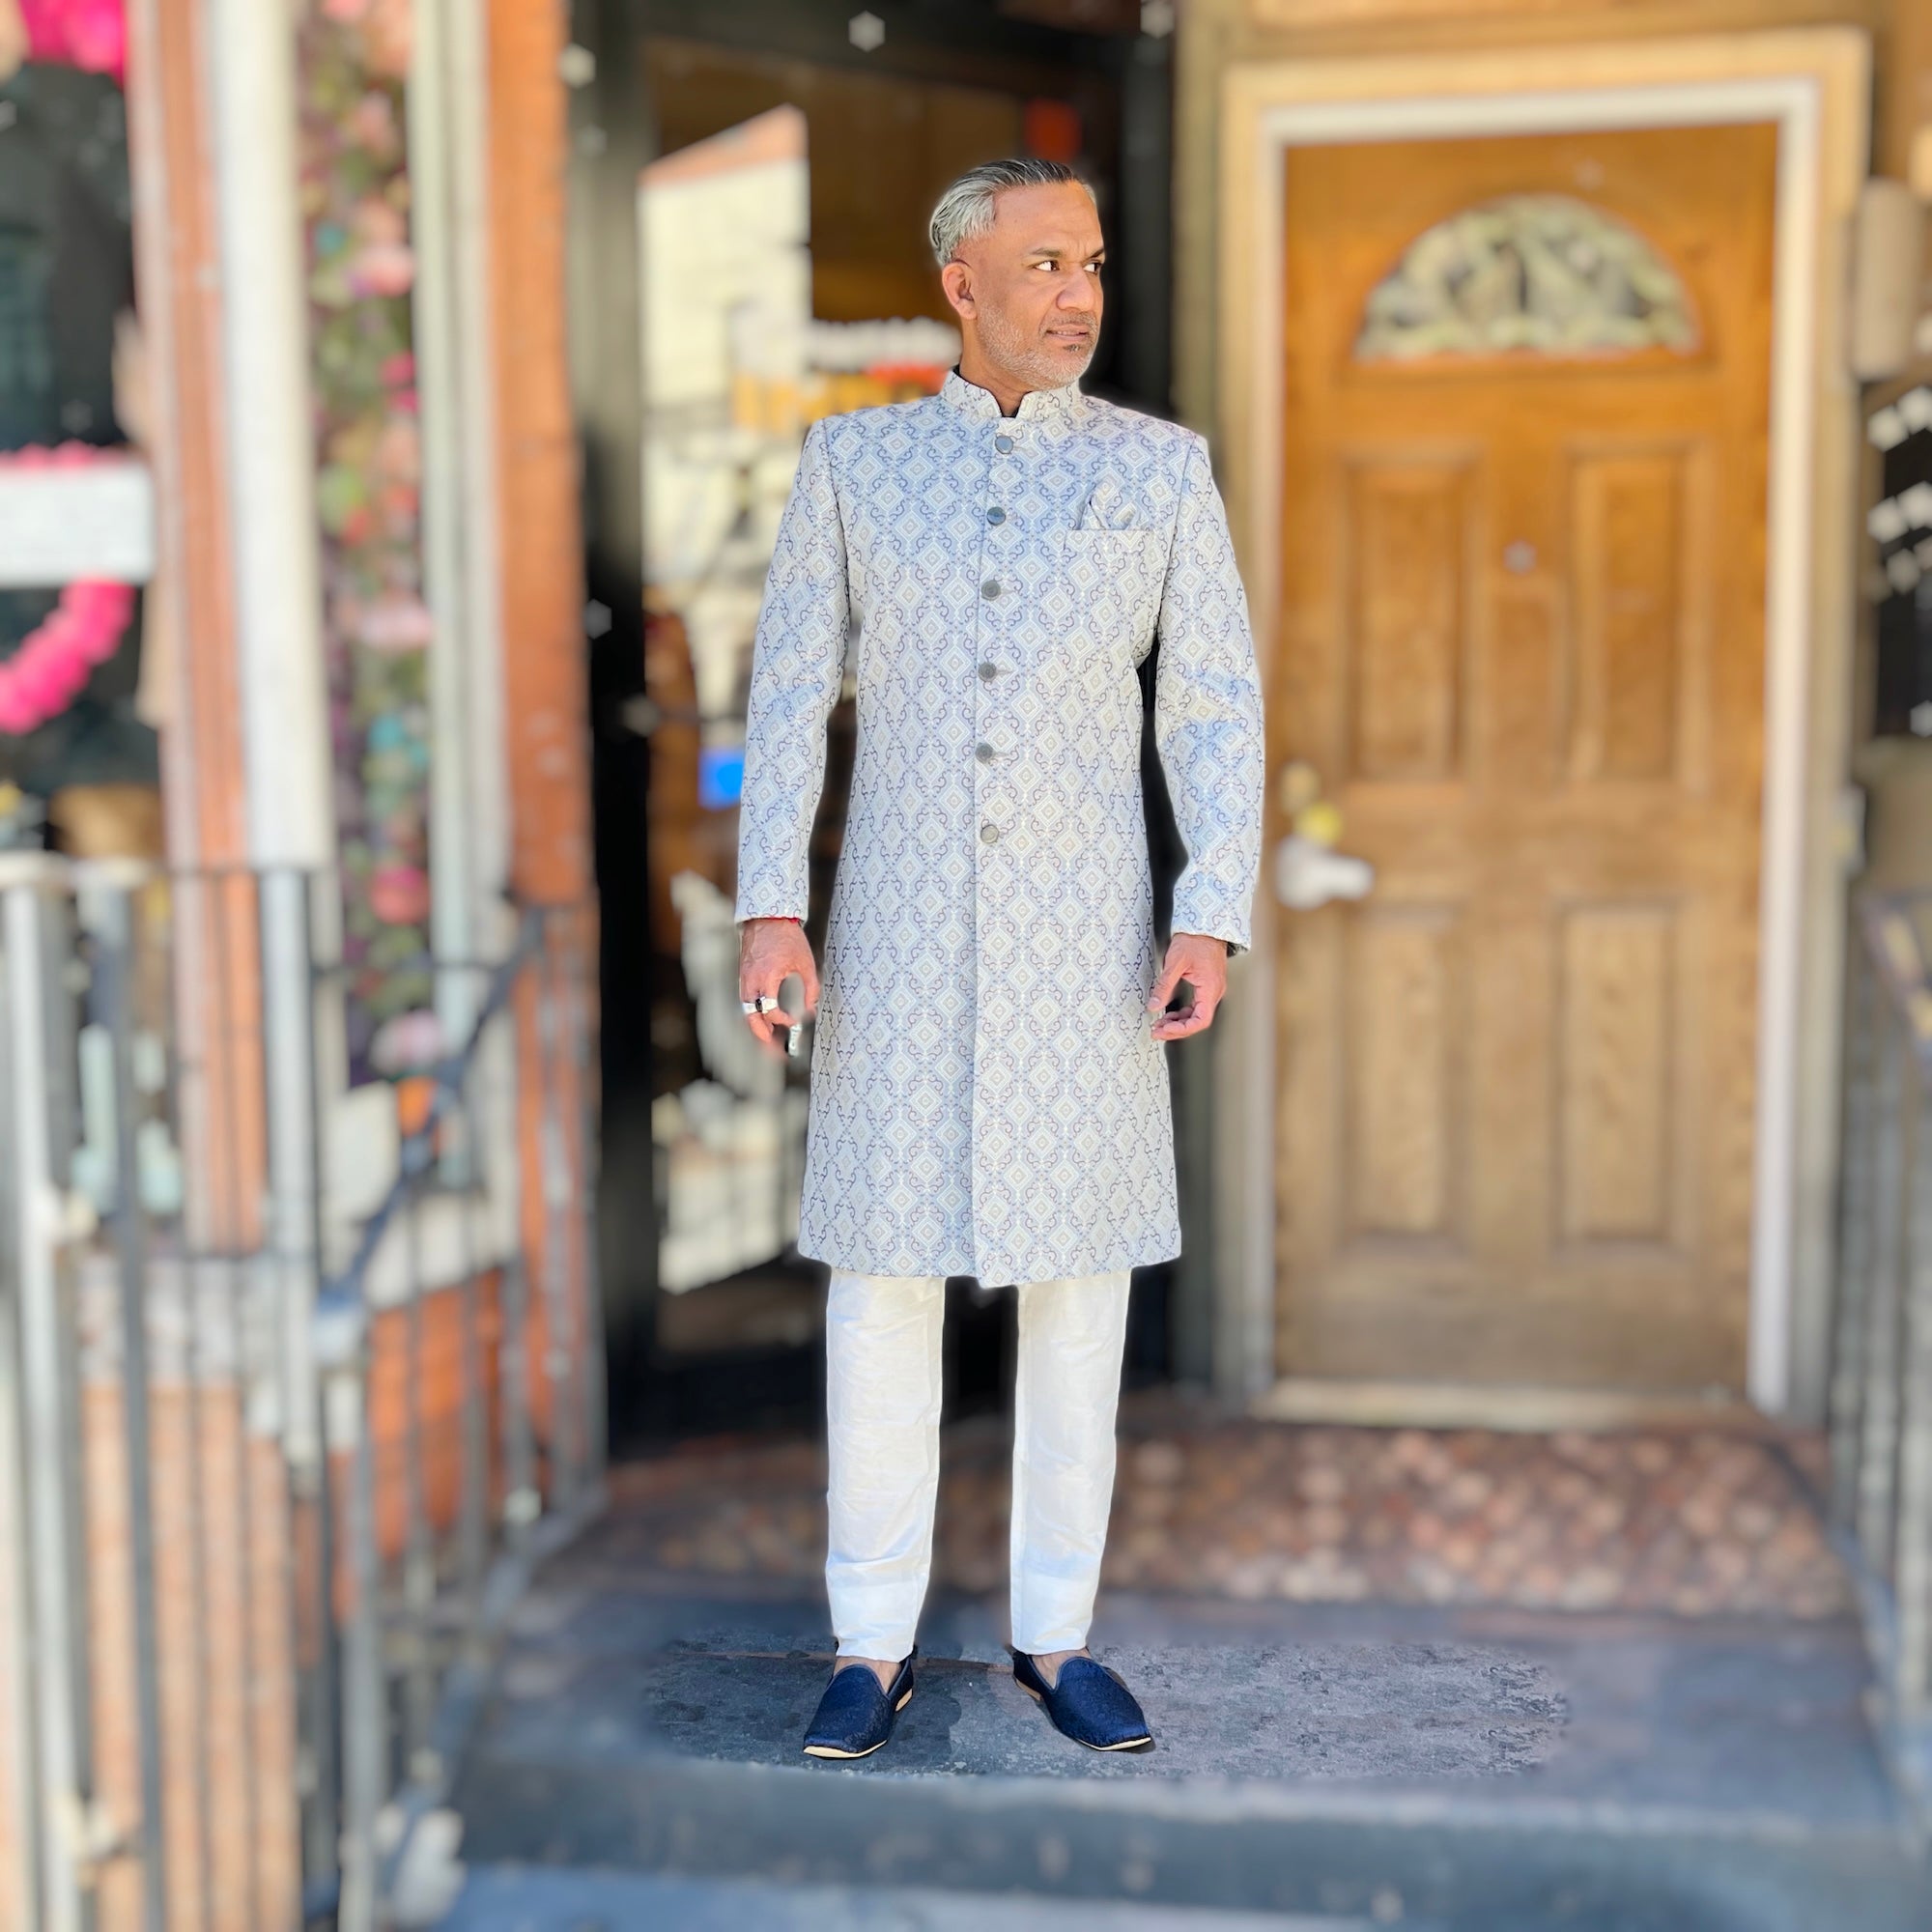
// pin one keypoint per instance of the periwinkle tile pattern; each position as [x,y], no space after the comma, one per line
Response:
[985,1096]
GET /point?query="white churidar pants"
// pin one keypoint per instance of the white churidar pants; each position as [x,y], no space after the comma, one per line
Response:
[882,1430]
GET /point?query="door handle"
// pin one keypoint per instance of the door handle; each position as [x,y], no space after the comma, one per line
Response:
[1308,871]
[1307,875]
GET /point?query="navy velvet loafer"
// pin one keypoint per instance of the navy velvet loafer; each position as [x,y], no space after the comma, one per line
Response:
[855,1717]
[1088,1703]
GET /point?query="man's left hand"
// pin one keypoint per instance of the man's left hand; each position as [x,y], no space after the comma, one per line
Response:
[1203,963]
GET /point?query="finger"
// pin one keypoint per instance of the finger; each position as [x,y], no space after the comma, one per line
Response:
[1177,1026]
[764,1032]
[1164,985]
[762,981]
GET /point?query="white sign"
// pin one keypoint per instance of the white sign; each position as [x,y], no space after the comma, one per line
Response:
[58,526]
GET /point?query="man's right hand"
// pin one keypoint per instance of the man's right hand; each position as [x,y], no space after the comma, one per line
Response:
[770,950]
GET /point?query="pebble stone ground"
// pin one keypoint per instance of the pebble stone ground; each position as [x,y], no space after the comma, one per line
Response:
[1687,1521]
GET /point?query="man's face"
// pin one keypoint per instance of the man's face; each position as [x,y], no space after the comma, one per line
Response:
[1030,288]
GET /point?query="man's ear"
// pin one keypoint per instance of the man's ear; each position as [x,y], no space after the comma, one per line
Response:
[956,279]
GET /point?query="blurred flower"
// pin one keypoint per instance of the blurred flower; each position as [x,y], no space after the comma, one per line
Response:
[339,493]
[399,450]
[388,268]
[387,38]
[378,220]
[397,623]
[372,124]
[406,1042]
[399,894]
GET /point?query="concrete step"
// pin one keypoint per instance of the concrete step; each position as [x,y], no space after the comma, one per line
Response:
[1406,1860]
[1353,1769]
[522,1898]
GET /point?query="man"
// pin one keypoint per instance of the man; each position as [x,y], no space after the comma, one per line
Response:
[989,1095]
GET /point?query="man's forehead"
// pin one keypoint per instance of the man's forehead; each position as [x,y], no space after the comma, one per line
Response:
[1058,217]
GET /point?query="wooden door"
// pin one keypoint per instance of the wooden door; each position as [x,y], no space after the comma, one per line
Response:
[1522,643]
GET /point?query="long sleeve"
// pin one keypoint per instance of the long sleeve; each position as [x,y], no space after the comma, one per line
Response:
[1208,716]
[798,658]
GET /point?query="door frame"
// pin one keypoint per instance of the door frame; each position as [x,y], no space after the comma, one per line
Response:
[1814,85]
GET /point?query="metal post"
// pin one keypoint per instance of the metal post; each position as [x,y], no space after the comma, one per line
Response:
[1855,1236]
[1878,1422]
[365,1739]
[14,1552]
[1914,1561]
[418,1594]
[473,1498]
[292,1240]
[553,1156]
[50,1439]
[596,1393]
[234,1270]
[112,921]
[498,1137]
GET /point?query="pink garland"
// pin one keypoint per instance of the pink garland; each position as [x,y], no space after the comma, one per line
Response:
[58,656]
[87,34]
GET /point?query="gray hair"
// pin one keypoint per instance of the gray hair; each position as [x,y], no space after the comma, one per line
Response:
[965,210]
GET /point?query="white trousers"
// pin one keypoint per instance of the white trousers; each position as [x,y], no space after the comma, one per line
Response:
[882,1426]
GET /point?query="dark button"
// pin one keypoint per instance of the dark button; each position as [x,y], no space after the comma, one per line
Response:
[989,835]
[996,516]
[989,671]
[990,589]
[984,751]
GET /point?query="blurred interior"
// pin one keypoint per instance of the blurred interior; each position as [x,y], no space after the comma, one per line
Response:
[823,298]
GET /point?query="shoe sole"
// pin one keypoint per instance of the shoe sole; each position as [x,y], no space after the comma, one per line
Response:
[1125,1744]
[833,1750]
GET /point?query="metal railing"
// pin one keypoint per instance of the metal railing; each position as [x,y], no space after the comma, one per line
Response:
[296,1385]
[1881,1390]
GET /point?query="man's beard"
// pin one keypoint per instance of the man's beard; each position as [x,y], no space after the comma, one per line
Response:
[1028,357]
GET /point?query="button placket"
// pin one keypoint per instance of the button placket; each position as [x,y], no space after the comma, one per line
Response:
[992,595]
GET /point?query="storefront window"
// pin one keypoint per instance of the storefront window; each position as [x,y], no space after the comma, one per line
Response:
[735,367]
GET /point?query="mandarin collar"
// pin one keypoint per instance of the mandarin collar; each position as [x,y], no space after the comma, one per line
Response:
[1036,406]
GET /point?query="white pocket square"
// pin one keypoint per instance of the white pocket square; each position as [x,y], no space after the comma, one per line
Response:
[1107,508]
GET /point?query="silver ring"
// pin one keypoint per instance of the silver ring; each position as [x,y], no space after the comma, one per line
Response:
[763,1003]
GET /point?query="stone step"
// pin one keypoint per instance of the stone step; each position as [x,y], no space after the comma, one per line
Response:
[1412,1860]
[1341,1766]
[527,1898]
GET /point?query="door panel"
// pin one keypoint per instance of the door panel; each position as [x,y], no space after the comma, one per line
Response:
[1407,536]
[1520,640]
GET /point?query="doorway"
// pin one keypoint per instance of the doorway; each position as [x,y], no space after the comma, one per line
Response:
[1810,87]
[751,253]
[1521,646]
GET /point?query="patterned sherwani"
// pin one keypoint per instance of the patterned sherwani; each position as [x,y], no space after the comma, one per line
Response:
[986,1098]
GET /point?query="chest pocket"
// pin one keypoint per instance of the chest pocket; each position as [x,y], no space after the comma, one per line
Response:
[1115,579]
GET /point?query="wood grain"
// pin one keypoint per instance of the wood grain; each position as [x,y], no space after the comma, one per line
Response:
[1522,638]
